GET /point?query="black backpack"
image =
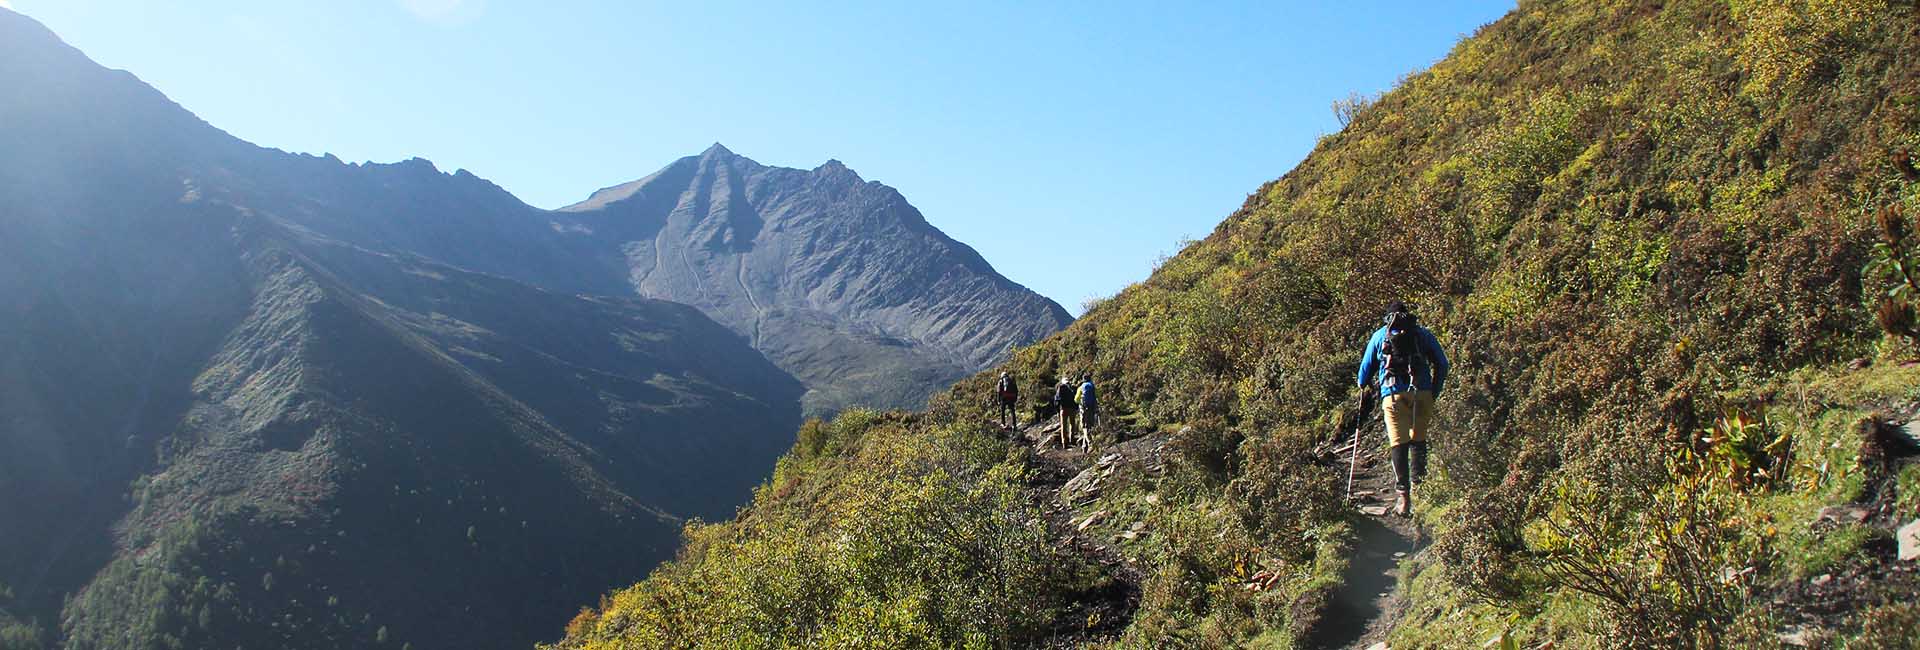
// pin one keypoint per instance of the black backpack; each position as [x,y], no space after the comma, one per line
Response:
[1007,388]
[1402,348]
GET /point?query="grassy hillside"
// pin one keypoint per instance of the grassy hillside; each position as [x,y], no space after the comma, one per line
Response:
[1639,229]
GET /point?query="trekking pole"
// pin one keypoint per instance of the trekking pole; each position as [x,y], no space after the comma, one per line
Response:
[1364,408]
[1353,461]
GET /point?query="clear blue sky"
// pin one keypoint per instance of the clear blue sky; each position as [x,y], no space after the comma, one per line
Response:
[1071,143]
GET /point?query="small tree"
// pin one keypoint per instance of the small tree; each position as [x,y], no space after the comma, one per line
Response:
[1345,109]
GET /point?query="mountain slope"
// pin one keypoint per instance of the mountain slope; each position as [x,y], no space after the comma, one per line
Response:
[350,465]
[838,280]
[220,427]
[1639,230]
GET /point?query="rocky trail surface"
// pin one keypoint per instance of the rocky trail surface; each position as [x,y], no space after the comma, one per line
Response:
[1370,600]
[1059,481]
[1065,482]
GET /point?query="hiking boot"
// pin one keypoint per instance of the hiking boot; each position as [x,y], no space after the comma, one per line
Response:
[1404,504]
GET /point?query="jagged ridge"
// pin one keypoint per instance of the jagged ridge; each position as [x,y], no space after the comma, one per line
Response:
[839,280]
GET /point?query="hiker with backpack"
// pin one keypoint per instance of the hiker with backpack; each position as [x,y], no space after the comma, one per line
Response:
[1063,396]
[1405,361]
[1007,395]
[1089,411]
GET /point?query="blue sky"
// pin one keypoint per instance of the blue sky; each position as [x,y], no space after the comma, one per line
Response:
[1071,143]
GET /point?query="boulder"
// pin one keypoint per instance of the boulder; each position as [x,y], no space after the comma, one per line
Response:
[1909,537]
[1091,520]
[1848,514]
[1085,480]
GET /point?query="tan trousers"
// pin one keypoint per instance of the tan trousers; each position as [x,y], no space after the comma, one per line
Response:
[1408,416]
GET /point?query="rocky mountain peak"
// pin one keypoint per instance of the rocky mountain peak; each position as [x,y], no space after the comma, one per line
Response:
[814,265]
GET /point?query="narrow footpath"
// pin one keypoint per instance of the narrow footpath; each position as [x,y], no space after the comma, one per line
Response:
[1361,612]
[1101,614]
[1370,600]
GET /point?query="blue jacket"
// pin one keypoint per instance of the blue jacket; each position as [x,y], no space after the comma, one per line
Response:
[1430,373]
[1086,397]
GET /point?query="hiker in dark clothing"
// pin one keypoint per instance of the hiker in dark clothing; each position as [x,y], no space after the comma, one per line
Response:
[1406,362]
[1007,394]
[1069,411]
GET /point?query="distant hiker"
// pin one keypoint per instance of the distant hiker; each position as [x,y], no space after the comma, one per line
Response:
[1406,362]
[1008,395]
[1089,411]
[1069,411]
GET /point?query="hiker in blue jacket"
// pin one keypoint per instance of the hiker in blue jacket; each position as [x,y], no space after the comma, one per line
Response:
[1089,411]
[1406,362]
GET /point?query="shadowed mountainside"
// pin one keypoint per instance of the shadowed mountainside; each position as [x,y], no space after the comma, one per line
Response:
[223,424]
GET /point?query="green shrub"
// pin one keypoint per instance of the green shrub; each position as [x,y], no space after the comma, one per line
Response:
[920,536]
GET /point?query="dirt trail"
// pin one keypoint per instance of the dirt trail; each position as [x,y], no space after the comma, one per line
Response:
[1104,612]
[1370,601]
[1359,614]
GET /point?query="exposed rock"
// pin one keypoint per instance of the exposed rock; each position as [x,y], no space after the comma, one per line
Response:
[1846,514]
[1262,580]
[1907,437]
[1091,520]
[1909,537]
[1085,481]
[837,279]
